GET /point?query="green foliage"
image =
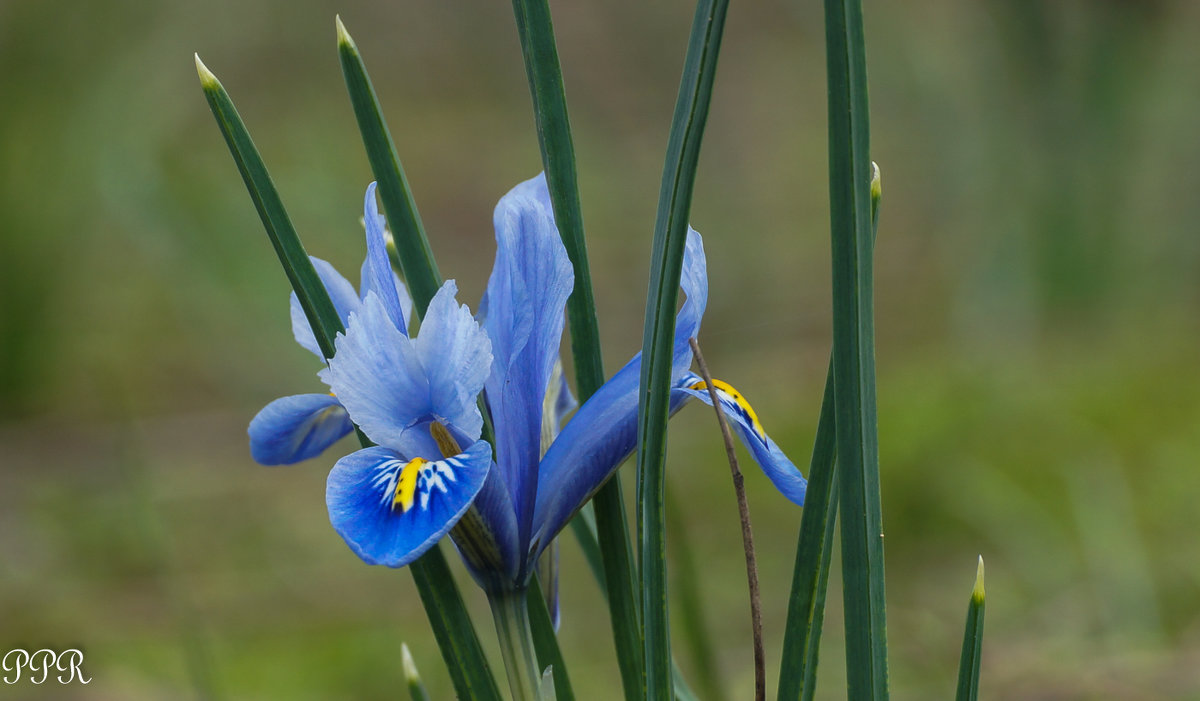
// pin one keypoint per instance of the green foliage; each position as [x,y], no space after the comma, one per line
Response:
[670,235]
[810,579]
[443,604]
[412,248]
[850,176]
[972,649]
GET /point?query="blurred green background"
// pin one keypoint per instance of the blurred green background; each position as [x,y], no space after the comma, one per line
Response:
[1038,282]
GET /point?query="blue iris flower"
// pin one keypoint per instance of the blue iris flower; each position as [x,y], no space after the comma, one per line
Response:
[417,399]
[302,426]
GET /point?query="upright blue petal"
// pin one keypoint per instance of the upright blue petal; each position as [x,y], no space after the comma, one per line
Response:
[341,293]
[406,302]
[390,509]
[291,429]
[526,294]
[779,469]
[378,276]
[694,281]
[457,355]
[394,386]
[378,376]
[535,189]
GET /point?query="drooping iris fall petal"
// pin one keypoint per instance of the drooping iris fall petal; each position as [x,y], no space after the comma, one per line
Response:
[291,429]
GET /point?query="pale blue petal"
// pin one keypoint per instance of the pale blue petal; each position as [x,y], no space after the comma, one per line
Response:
[526,295]
[778,468]
[406,302]
[379,277]
[694,281]
[378,376]
[360,494]
[341,293]
[457,356]
[535,189]
[291,429]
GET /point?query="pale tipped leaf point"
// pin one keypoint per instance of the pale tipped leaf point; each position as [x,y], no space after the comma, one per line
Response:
[977,593]
[207,79]
[410,667]
[343,36]
[546,688]
[876,182]
[416,689]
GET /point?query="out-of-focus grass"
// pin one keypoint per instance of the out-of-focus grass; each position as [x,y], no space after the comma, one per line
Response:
[1037,282]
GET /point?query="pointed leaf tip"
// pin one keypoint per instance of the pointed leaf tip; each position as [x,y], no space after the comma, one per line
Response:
[410,667]
[977,593]
[546,688]
[343,36]
[207,79]
[876,182]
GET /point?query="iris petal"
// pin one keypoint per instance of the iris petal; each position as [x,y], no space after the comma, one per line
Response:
[291,429]
[378,276]
[694,281]
[603,432]
[456,355]
[778,468]
[597,439]
[406,302]
[341,293]
[526,294]
[535,189]
[378,377]
[364,493]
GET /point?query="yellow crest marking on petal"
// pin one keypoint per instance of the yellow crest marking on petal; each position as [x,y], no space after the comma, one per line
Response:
[445,441]
[406,484]
[728,390]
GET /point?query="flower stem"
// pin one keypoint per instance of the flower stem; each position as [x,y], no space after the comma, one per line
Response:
[516,643]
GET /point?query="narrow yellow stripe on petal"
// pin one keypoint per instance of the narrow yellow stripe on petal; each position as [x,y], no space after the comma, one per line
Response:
[729,391]
[406,485]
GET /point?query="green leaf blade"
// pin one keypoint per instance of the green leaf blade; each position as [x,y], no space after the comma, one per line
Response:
[810,578]
[413,253]
[972,649]
[536,31]
[854,353]
[670,237]
[296,265]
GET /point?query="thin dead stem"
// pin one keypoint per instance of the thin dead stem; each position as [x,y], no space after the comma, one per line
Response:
[760,670]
